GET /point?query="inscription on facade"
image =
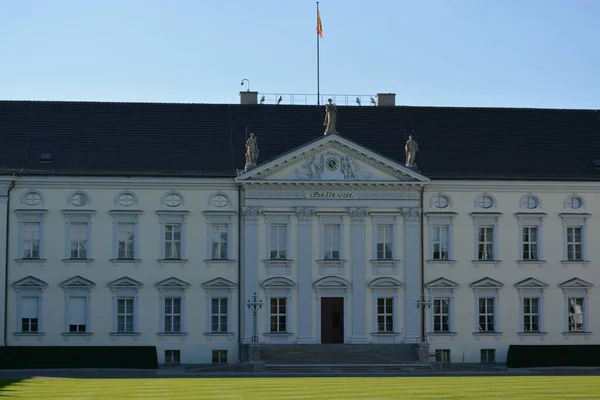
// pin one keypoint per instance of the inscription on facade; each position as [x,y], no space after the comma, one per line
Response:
[320,194]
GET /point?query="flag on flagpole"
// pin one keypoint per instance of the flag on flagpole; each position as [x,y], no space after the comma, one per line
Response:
[319,26]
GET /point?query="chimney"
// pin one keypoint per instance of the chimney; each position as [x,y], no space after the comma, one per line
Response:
[248,97]
[386,99]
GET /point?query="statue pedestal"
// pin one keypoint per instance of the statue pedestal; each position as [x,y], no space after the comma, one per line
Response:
[248,167]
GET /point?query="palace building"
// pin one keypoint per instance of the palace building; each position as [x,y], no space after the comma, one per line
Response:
[457,231]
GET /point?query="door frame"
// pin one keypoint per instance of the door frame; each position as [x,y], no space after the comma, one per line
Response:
[333,286]
[342,295]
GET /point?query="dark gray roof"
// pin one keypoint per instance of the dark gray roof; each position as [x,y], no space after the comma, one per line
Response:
[157,139]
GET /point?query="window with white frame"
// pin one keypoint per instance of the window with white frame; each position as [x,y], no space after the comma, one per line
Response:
[125,233]
[32,198]
[486,292]
[531,299]
[219,356]
[531,314]
[441,314]
[125,306]
[172,306]
[278,314]
[78,235]
[29,305]
[486,241]
[577,306]
[77,305]
[575,314]
[172,357]
[31,234]
[385,314]
[219,302]
[331,242]
[442,355]
[278,297]
[575,234]
[488,355]
[385,310]
[441,293]
[77,314]
[440,234]
[219,233]
[385,242]
[485,201]
[530,236]
[173,235]
[278,237]
[529,240]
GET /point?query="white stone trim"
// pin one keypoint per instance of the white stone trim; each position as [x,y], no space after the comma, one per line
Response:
[530,220]
[125,287]
[117,197]
[331,220]
[29,287]
[173,217]
[384,219]
[77,287]
[30,216]
[163,198]
[434,196]
[534,196]
[333,286]
[271,219]
[576,287]
[575,220]
[27,193]
[220,218]
[121,217]
[574,195]
[79,191]
[531,288]
[78,216]
[442,288]
[486,288]
[486,194]
[278,288]
[385,288]
[172,288]
[481,220]
[220,288]
[440,220]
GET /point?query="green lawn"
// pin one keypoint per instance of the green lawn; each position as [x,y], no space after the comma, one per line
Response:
[514,388]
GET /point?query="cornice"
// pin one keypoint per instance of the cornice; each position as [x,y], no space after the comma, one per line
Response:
[330,185]
[511,186]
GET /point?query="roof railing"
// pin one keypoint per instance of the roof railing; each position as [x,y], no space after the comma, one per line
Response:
[311,99]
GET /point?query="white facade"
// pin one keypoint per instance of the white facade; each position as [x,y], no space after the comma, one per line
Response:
[336,240]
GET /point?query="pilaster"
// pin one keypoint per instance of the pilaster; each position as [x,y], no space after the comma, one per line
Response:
[359,284]
[250,266]
[412,272]
[305,267]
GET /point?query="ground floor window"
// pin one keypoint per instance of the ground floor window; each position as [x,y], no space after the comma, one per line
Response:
[172,356]
[442,355]
[488,355]
[385,314]
[219,356]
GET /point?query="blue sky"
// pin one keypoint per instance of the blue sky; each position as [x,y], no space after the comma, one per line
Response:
[504,53]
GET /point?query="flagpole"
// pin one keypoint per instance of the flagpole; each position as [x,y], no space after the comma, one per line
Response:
[318,83]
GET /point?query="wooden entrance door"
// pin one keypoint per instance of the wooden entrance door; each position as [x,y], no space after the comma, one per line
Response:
[332,320]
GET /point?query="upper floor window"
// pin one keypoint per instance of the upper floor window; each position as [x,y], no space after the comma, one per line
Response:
[78,234]
[440,236]
[126,199]
[485,201]
[574,202]
[173,241]
[440,201]
[530,202]
[331,241]
[173,235]
[278,241]
[219,200]
[384,242]
[574,237]
[79,239]
[220,244]
[172,199]
[30,234]
[79,198]
[220,240]
[32,198]
[31,240]
[486,236]
[529,240]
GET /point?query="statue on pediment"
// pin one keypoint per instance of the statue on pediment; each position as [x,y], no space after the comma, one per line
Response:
[251,151]
[411,149]
[330,117]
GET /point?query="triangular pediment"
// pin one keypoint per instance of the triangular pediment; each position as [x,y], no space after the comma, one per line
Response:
[575,283]
[29,282]
[332,158]
[172,283]
[125,282]
[385,283]
[486,283]
[332,282]
[219,283]
[441,283]
[278,282]
[531,283]
[77,282]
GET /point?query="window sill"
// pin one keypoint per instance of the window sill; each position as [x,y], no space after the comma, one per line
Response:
[479,335]
[228,335]
[116,335]
[478,263]
[385,337]
[385,267]
[181,261]
[586,335]
[539,263]
[278,267]
[169,335]
[125,260]
[38,335]
[277,337]
[67,335]
[78,260]
[540,335]
[583,263]
[21,261]
[448,263]
[442,335]
[331,267]
[219,262]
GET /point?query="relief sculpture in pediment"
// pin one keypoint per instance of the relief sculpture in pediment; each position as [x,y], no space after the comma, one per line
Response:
[330,166]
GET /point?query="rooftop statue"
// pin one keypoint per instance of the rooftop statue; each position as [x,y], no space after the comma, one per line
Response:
[411,149]
[330,117]
[251,151]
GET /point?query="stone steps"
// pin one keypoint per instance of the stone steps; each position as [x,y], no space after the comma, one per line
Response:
[347,367]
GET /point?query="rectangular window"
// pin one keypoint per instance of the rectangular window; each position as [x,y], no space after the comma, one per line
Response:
[486,314]
[172,356]
[125,240]
[172,314]
[77,314]
[278,242]
[530,242]
[485,249]
[531,314]
[173,241]
[574,243]
[219,241]
[488,355]
[441,314]
[219,356]
[219,315]
[125,314]
[29,314]
[440,242]
[385,314]
[576,316]
[442,355]
[278,314]
[384,242]
[31,240]
[332,242]
[79,240]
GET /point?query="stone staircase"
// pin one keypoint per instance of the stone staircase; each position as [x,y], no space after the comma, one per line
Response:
[340,357]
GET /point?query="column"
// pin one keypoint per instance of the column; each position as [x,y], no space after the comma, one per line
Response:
[359,284]
[250,267]
[305,279]
[412,272]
